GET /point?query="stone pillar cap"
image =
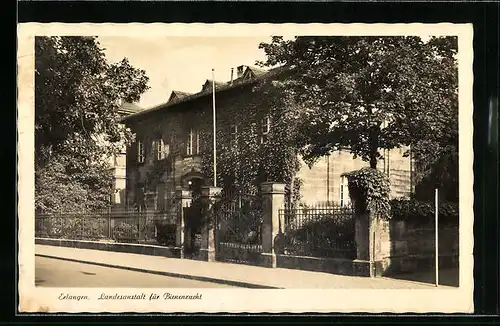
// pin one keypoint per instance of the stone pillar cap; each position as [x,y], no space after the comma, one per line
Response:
[272,188]
[182,193]
[210,191]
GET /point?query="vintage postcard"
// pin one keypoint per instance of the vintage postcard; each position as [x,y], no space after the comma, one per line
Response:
[245,168]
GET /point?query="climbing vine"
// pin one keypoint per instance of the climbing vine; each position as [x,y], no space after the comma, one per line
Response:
[156,172]
[248,159]
[245,157]
[370,190]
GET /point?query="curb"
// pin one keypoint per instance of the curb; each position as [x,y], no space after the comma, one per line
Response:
[169,274]
[131,248]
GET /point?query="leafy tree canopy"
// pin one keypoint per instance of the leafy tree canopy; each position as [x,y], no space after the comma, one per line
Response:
[77,130]
[370,93]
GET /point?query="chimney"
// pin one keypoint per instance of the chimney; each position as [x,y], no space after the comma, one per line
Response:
[232,72]
[239,71]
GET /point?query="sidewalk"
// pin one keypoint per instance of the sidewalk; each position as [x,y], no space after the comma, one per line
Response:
[225,273]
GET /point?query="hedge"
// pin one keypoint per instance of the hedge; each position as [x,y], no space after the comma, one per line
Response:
[415,211]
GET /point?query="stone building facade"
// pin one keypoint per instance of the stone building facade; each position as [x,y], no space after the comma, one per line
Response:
[324,181]
[119,162]
[172,139]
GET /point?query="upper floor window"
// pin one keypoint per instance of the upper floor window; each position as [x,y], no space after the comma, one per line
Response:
[161,149]
[233,134]
[189,143]
[193,143]
[140,151]
[266,127]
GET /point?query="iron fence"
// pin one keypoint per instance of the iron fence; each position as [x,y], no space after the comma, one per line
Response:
[239,220]
[320,231]
[128,226]
[238,229]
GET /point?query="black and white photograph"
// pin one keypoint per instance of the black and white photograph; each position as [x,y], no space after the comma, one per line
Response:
[239,168]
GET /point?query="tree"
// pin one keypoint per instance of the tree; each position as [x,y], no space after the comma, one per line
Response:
[370,93]
[77,129]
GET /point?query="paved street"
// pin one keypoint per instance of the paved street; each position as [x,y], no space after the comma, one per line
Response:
[60,273]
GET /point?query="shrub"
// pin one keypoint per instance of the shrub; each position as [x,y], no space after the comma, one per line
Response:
[369,190]
[165,233]
[415,211]
[79,227]
[322,236]
[125,231]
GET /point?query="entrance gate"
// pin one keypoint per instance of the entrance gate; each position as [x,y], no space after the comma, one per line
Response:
[238,227]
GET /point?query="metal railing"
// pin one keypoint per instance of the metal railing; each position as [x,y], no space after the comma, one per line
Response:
[129,226]
[319,231]
[239,220]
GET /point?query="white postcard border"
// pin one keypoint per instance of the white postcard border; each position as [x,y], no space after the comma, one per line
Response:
[39,299]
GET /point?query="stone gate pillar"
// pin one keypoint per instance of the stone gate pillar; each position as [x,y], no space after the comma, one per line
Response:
[209,196]
[182,199]
[273,197]
[373,245]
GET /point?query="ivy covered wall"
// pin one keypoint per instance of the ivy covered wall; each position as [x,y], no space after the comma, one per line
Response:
[246,155]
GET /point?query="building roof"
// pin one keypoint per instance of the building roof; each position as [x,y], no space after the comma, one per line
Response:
[208,84]
[129,108]
[256,71]
[258,74]
[177,95]
[217,83]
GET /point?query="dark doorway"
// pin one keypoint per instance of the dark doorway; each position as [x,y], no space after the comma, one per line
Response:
[193,219]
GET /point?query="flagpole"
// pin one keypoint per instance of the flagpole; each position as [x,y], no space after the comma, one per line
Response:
[214,129]
[436,236]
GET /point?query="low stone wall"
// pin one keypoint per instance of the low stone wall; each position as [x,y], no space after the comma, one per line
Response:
[170,252]
[314,264]
[411,248]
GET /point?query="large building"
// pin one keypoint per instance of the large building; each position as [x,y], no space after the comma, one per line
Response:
[174,145]
[118,163]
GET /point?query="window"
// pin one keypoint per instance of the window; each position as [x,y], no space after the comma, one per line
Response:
[189,144]
[140,152]
[193,143]
[161,149]
[344,196]
[233,134]
[191,147]
[197,143]
[266,126]
[341,195]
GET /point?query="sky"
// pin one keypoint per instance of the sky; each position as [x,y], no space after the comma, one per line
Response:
[182,63]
